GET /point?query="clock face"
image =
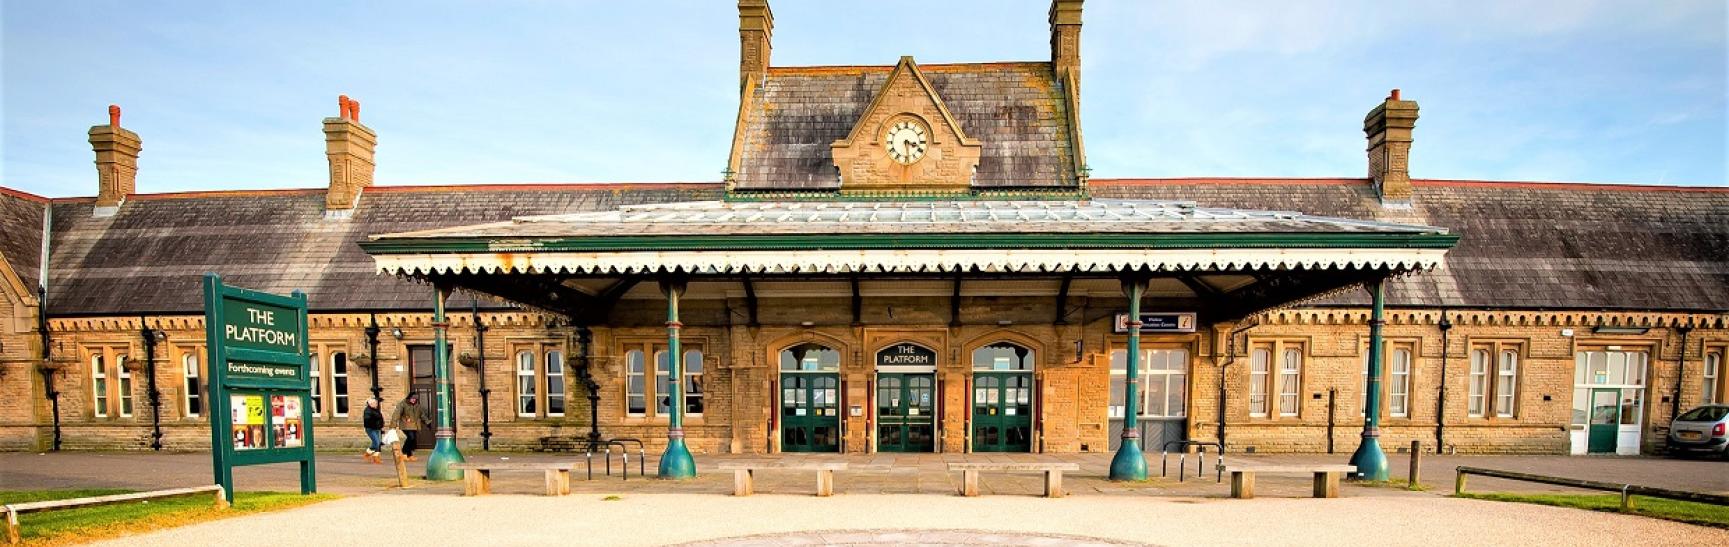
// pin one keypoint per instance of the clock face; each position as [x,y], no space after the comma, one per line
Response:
[906,141]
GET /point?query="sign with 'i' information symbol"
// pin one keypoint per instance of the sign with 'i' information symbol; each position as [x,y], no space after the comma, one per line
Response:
[260,390]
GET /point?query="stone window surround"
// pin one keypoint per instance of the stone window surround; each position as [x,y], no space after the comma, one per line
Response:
[1277,347]
[1491,389]
[650,346]
[1412,344]
[325,390]
[114,355]
[180,352]
[1718,384]
[540,349]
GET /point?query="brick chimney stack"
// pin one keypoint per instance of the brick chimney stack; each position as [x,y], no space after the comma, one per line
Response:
[755,34]
[349,146]
[1389,127]
[1065,19]
[116,163]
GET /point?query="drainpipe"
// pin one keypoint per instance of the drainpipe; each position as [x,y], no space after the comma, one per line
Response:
[372,352]
[47,359]
[586,374]
[480,363]
[1441,403]
[1680,375]
[150,338]
[1230,358]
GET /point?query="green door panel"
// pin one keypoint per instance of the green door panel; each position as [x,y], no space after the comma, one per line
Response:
[810,412]
[1002,411]
[1605,424]
[906,412]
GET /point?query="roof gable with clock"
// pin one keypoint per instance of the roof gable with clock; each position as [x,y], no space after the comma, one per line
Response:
[906,140]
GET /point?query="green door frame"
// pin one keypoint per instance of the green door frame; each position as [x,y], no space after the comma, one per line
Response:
[817,428]
[1603,438]
[998,424]
[906,422]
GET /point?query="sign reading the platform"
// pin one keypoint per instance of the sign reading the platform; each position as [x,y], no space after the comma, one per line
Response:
[906,355]
[1158,322]
[259,381]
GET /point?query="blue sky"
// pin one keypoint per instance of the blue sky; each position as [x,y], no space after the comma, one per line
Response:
[229,95]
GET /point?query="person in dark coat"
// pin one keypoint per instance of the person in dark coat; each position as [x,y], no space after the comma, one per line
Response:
[410,418]
[373,421]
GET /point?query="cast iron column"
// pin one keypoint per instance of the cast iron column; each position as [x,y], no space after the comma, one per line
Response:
[372,347]
[1129,464]
[1370,461]
[444,452]
[676,462]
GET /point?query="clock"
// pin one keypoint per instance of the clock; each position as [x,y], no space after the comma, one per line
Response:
[906,140]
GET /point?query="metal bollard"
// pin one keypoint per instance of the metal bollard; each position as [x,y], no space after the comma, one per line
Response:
[1416,464]
[1200,460]
[1182,463]
[1165,461]
[1219,472]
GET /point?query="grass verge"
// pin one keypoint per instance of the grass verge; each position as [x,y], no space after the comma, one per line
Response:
[86,524]
[1680,511]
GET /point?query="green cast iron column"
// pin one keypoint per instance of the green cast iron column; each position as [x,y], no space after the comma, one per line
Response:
[676,462]
[1129,464]
[1371,462]
[444,452]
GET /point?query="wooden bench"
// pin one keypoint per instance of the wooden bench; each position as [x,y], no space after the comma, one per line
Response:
[744,474]
[12,511]
[1053,474]
[477,477]
[1326,477]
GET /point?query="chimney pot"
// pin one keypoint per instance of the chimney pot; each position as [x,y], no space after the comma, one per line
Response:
[1394,95]
[116,163]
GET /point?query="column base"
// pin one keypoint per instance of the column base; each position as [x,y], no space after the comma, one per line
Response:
[675,462]
[1370,460]
[1129,464]
[444,453]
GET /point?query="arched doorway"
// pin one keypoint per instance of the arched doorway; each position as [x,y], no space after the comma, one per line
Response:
[906,398]
[1002,398]
[810,398]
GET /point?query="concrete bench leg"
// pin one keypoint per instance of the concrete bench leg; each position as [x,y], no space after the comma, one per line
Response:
[743,483]
[477,482]
[824,483]
[1054,484]
[1326,484]
[1242,485]
[557,482]
[969,483]
[12,527]
[221,499]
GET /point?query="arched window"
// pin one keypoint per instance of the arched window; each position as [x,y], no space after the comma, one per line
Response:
[1399,391]
[125,386]
[809,357]
[1003,357]
[194,392]
[339,383]
[525,393]
[636,403]
[99,386]
[693,382]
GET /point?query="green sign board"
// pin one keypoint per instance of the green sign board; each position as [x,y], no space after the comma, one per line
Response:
[260,390]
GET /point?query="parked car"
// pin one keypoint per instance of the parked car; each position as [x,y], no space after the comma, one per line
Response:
[1703,429]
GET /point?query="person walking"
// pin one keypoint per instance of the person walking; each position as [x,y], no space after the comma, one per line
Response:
[410,418]
[373,421]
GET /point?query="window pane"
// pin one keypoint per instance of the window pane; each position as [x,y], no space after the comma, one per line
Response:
[317,391]
[635,399]
[1117,385]
[1002,356]
[194,393]
[1399,400]
[662,389]
[99,386]
[809,358]
[1258,362]
[1713,371]
[1288,380]
[693,370]
[125,385]
[554,383]
[339,382]
[525,392]
[1506,384]
[1479,385]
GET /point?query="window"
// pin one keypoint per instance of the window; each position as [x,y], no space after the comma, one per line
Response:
[636,396]
[525,394]
[1713,377]
[125,386]
[1161,387]
[1289,370]
[555,383]
[339,383]
[328,373]
[639,391]
[99,385]
[1004,357]
[1494,380]
[1259,361]
[317,385]
[540,389]
[809,358]
[1399,392]
[194,392]
[1506,383]
[1479,387]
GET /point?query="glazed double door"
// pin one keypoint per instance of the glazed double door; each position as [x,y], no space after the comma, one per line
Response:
[810,412]
[1002,412]
[906,412]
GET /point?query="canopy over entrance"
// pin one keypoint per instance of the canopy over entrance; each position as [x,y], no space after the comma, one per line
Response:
[1230,262]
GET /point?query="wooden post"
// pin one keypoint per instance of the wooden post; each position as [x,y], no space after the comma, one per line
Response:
[401,465]
[1459,483]
[1416,464]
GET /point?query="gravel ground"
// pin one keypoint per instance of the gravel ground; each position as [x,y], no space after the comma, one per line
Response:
[588,519]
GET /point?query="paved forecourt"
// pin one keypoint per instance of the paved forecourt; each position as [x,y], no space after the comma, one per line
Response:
[654,519]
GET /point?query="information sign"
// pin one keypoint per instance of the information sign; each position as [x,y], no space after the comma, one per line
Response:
[259,383]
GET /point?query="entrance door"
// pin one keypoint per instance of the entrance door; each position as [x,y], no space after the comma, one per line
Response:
[424,382]
[1002,412]
[906,412]
[1605,424]
[810,412]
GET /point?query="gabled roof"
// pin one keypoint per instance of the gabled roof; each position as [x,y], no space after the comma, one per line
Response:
[21,234]
[1017,111]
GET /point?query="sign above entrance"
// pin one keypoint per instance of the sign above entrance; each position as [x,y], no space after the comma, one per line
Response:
[906,355]
[1158,322]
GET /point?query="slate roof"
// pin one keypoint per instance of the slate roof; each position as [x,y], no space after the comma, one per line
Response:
[1017,111]
[21,234]
[1523,245]
[1554,246]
